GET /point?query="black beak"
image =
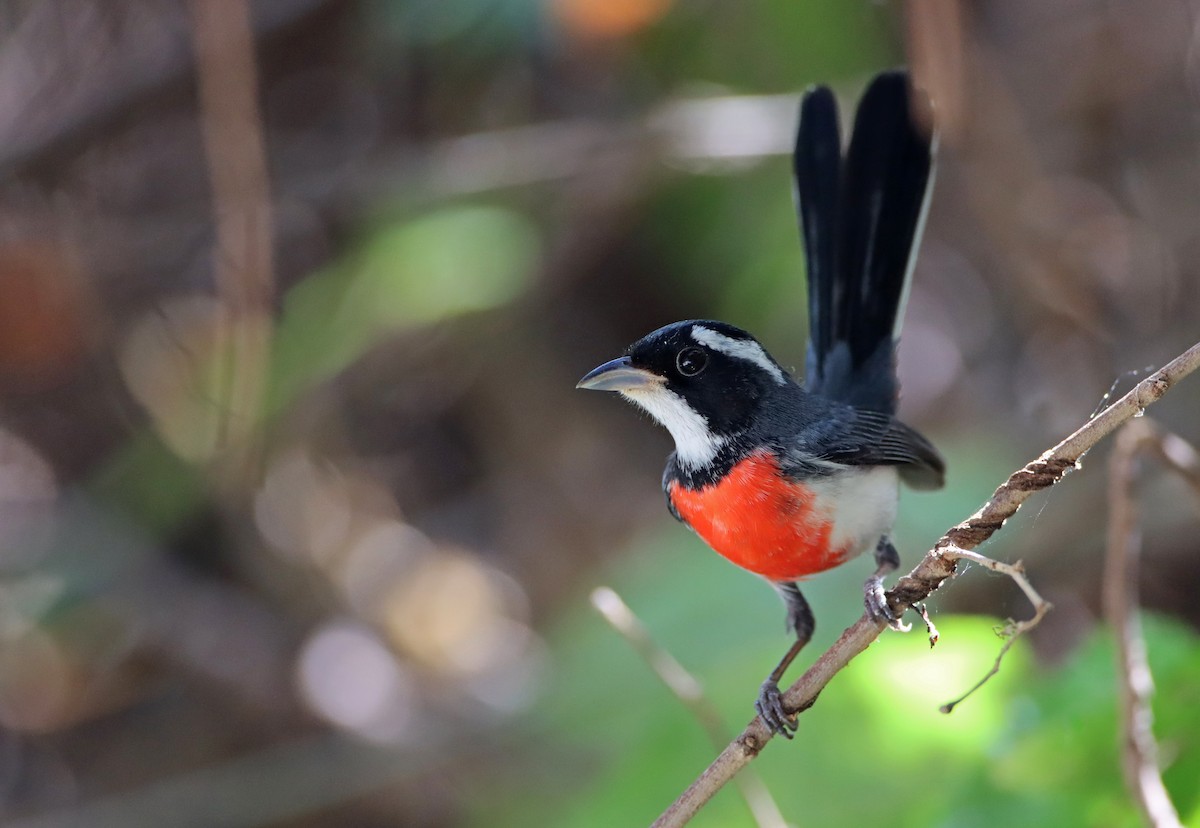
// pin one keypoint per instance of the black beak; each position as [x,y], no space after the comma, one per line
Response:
[619,375]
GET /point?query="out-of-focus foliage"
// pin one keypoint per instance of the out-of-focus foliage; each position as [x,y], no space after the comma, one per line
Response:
[407,274]
[1037,746]
[343,581]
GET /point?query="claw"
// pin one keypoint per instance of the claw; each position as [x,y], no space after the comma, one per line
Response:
[770,707]
[875,600]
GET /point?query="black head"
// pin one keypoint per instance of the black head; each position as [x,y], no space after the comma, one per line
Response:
[705,381]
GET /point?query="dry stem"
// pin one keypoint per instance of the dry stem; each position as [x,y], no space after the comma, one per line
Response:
[689,691]
[1139,751]
[1013,629]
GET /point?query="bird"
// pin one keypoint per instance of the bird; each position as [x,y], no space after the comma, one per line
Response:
[789,478]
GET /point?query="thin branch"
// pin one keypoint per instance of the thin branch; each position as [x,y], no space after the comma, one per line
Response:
[930,627]
[1139,751]
[930,573]
[1013,629]
[688,690]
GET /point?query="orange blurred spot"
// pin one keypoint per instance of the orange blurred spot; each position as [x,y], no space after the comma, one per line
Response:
[607,18]
[42,318]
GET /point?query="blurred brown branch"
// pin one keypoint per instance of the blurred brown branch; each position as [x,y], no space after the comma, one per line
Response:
[1134,680]
[242,259]
[936,567]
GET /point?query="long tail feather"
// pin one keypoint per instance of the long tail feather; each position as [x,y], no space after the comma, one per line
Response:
[857,292]
[817,168]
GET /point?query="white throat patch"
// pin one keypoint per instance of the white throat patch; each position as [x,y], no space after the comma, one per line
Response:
[746,349]
[695,444]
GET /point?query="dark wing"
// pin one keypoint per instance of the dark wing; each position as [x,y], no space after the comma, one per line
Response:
[857,437]
[860,254]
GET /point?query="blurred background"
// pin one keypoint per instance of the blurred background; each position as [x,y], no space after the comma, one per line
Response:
[299,510]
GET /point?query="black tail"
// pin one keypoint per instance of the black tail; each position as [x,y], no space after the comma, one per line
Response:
[861,219]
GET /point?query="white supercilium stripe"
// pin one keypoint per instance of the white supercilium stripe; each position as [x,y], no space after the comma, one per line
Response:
[746,349]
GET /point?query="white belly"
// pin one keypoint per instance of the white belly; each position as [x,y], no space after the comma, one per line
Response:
[862,505]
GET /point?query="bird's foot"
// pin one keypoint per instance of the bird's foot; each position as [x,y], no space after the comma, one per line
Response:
[875,599]
[770,707]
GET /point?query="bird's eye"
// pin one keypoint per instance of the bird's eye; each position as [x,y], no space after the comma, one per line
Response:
[691,361]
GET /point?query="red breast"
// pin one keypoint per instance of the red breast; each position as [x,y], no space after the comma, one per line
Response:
[762,521]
